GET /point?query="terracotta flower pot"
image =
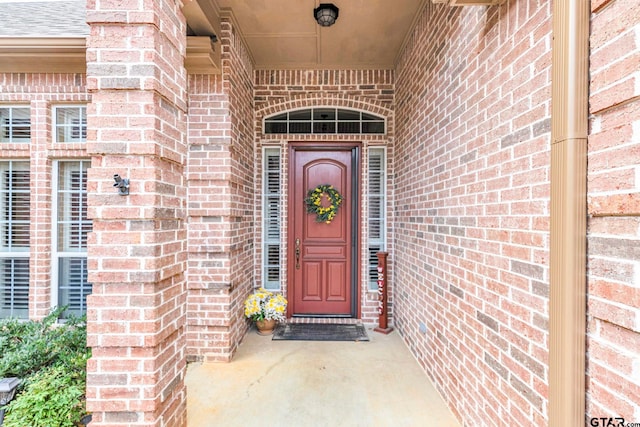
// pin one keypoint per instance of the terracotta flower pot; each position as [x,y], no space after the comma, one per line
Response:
[266,327]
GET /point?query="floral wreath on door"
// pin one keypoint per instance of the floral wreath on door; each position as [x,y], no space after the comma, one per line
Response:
[317,199]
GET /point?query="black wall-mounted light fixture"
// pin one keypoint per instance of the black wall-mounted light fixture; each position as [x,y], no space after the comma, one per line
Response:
[122,184]
[326,14]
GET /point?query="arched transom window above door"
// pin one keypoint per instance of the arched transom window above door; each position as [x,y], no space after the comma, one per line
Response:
[324,121]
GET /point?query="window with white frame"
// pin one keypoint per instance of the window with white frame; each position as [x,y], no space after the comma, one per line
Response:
[271,219]
[15,218]
[72,227]
[324,121]
[15,124]
[377,209]
[70,123]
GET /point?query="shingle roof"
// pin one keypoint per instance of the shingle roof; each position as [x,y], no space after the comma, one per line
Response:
[65,18]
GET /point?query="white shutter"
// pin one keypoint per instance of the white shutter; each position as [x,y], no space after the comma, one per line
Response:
[376,195]
[271,210]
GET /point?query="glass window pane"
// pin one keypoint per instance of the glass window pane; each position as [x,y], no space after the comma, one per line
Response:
[72,229]
[376,211]
[73,224]
[71,124]
[300,115]
[372,127]
[272,176]
[15,210]
[348,127]
[349,115]
[300,127]
[73,287]
[14,288]
[279,118]
[15,124]
[370,117]
[324,114]
[271,219]
[273,263]
[324,127]
[373,266]
[275,127]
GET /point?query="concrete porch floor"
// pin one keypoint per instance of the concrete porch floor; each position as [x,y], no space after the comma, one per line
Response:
[310,383]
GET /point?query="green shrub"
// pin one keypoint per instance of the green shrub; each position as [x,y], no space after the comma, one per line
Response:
[51,360]
[26,347]
[53,397]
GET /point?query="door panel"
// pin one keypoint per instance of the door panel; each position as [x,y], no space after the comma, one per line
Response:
[312,276]
[335,272]
[323,275]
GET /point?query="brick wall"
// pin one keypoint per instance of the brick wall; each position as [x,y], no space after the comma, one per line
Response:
[208,171]
[237,70]
[468,138]
[472,207]
[41,92]
[221,182]
[613,364]
[367,90]
[137,251]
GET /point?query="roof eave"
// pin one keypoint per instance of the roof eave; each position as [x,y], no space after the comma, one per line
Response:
[43,54]
[68,55]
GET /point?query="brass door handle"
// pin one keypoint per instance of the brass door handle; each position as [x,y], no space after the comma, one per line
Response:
[297,254]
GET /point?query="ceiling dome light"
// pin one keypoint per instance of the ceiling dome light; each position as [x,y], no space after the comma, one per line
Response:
[326,14]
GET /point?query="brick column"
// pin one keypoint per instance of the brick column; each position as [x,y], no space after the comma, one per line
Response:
[41,213]
[137,258]
[221,182]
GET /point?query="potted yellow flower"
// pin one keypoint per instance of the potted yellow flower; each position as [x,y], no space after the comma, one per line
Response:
[266,309]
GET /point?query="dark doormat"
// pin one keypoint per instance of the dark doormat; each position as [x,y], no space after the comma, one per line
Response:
[320,332]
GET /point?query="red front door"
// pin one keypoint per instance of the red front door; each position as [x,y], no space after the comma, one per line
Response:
[323,267]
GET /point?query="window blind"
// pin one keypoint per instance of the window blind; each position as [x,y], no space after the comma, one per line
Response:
[376,196]
[73,226]
[15,220]
[14,287]
[271,219]
[15,124]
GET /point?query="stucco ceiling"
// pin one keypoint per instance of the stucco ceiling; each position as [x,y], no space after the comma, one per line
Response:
[284,33]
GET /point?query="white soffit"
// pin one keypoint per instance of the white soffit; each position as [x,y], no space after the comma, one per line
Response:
[368,34]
